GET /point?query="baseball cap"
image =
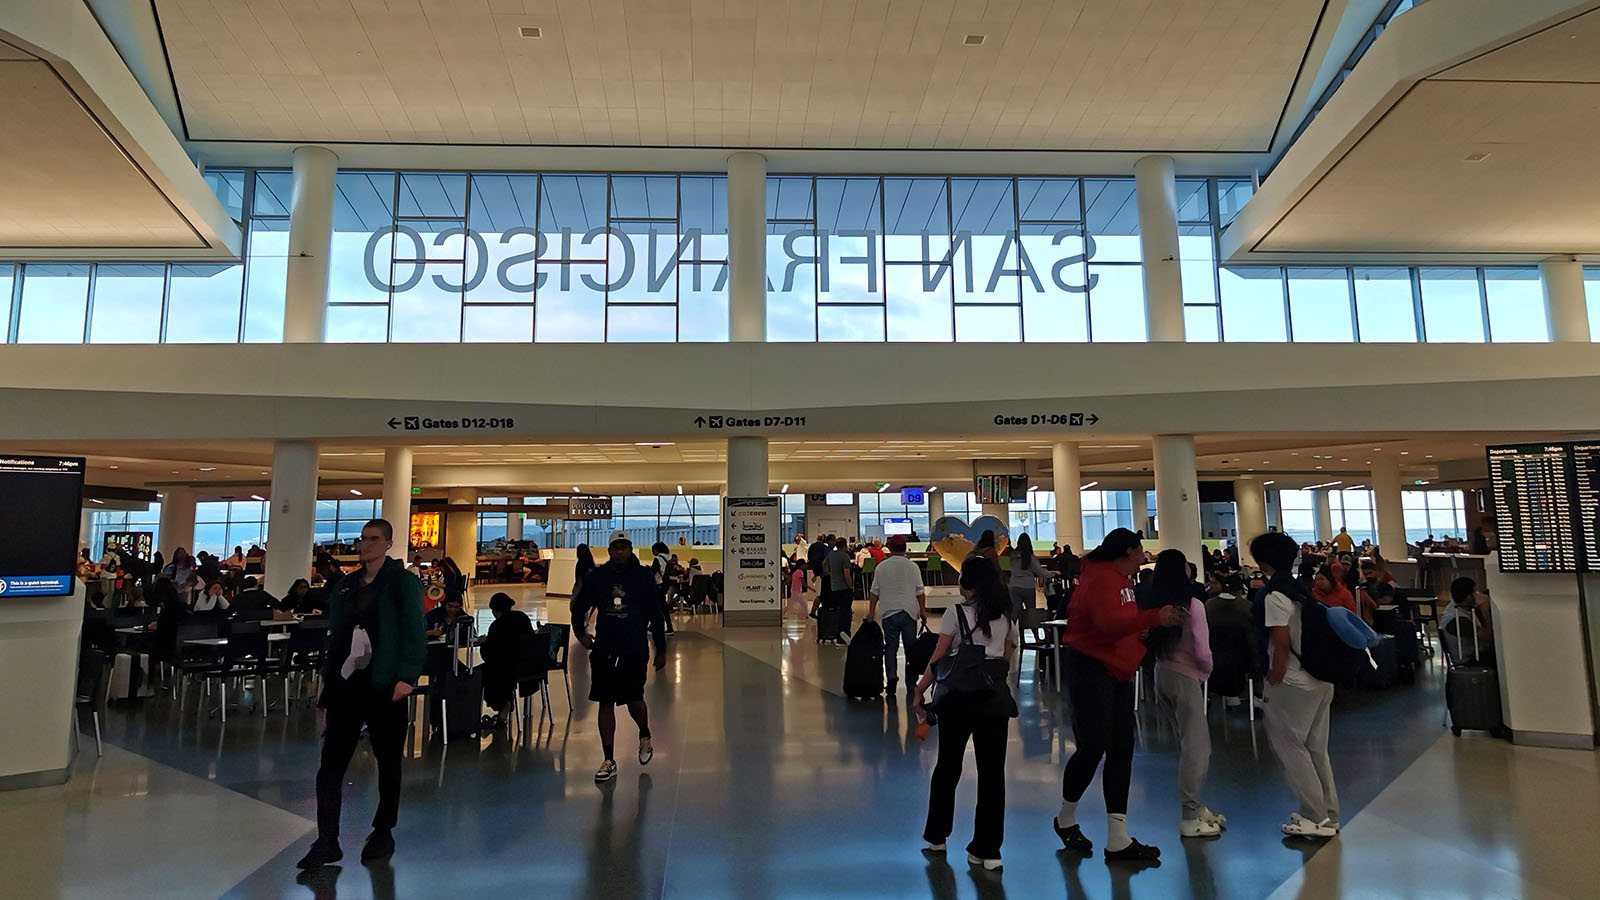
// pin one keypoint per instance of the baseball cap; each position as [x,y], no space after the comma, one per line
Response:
[897,542]
[620,537]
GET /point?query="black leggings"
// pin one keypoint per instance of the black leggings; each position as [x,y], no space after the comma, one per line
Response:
[1102,725]
[988,737]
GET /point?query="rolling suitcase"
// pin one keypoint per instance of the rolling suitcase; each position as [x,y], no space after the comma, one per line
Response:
[1408,651]
[1386,670]
[130,677]
[1472,694]
[863,662]
[832,622]
[920,651]
[460,699]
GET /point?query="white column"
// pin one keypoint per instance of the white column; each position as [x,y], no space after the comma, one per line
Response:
[85,524]
[514,524]
[1178,494]
[1158,245]
[935,509]
[747,247]
[747,467]
[461,532]
[292,514]
[1390,508]
[1275,510]
[1141,512]
[1065,471]
[177,521]
[1001,511]
[1324,508]
[305,301]
[397,498]
[1565,299]
[1250,513]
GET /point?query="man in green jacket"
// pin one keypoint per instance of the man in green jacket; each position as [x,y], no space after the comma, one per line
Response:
[376,649]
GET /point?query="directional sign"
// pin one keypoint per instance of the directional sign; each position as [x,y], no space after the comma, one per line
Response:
[1035,419]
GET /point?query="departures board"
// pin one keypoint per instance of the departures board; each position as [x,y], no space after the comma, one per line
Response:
[1547,504]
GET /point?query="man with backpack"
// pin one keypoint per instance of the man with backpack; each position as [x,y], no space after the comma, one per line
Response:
[1300,642]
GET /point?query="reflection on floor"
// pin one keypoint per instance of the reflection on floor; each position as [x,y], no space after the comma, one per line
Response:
[767,783]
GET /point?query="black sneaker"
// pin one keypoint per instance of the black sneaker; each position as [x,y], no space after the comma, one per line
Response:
[1073,839]
[322,853]
[1135,852]
[380,845]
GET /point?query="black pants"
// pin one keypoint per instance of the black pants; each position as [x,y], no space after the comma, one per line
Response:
[386,726]
[988,736]
[662,590]
[1102,725]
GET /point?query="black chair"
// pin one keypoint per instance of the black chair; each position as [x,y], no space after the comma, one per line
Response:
[91,692]
[244,654]
[560,643]
[717,589]
[533,661]
[191,660]
[700,592]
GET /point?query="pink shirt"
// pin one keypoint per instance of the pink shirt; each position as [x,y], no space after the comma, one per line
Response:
[1191,655]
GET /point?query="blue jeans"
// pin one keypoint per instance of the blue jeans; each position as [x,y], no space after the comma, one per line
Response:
[899,628]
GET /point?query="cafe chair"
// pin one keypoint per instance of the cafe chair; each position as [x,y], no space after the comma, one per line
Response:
[560,644]
[93,687]
[533,660]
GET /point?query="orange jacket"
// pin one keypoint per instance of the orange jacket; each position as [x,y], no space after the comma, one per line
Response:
[1104,622]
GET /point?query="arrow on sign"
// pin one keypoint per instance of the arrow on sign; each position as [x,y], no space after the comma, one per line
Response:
[699,421]
[1093,418]
[394,423]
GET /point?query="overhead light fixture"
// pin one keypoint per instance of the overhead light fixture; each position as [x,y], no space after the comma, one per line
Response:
[356,492]
[974,40]
[1476,157]
[96,500]
[933,488]
[1265,483]
[1089,485]
[653,443]
[784,489]
[680,488]
[531,31]
[111,467]
[883,487]
[575,490]
[1032,488]
[258,497]
[208,468]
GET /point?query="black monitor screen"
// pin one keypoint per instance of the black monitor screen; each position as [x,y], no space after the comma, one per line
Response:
[41,499]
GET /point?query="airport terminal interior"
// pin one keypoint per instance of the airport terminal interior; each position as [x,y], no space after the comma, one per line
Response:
[325,319]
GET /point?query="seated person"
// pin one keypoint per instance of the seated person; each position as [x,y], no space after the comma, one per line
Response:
[1377,589]
[502,656]
[451,614]
[212,600]
[253,602]
[1330,591]
[1466,613]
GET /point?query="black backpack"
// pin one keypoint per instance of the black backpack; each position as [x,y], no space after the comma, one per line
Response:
[1323,654]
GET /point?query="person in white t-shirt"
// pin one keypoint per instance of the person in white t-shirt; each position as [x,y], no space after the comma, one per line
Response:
[898,601]
[1298,706]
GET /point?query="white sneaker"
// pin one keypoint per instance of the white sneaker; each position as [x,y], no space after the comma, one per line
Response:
[647,751]
[606,772]
[1217,819]
[1299,826]
[992,865]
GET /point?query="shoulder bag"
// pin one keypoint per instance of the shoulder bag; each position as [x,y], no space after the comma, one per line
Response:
[967,681]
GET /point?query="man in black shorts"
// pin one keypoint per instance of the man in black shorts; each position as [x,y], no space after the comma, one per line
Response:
[624,596]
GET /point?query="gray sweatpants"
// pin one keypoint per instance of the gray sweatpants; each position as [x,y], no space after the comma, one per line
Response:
[1185,702]
[1297,728]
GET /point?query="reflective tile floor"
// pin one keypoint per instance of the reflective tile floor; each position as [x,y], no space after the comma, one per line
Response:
[767,783]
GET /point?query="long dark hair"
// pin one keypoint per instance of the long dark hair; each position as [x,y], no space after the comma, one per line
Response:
[1171,585]
[980,576]
[585,558]
[1115,546]
[1024,554]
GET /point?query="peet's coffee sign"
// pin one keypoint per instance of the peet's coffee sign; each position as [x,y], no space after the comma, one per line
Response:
[976,262]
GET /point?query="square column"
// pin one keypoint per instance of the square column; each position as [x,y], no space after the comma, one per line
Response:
[1178,494]
[1141,512]
[1064,468]
[291,518]
[396,504]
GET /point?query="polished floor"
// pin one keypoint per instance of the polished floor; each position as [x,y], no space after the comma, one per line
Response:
[767,783]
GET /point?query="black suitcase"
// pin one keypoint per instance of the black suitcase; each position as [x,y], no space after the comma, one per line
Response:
[833,621]
[460,703]
[1387,670]
[920,651]
[1408,651]
[1472,694]
[863,662]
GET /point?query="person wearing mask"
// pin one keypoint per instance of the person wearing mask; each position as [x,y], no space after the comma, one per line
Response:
[1298,706]
[253,602]
[1328,590]
[448,616]
[376,651]
[1183,663]
[661,573]
[841,587]
[1467,611]
[1105,646]
[898,602]
[628,620]
[582,568]
[981,620]
[212,600]
[502,655]
[1026,576]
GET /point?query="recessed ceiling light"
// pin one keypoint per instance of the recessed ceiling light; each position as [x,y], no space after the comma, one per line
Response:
[975,40]
[680,488]
[933,488]
[174,471]
[531,31]
[575,490]
[208,468]
[1476,157]
[95,500]
[111,467]
[258,497]
[356,492]
[1089,485]
[784,489]
[1405,452]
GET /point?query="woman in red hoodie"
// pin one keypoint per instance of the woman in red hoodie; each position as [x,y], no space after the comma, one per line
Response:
[1330,590]
[1105,641]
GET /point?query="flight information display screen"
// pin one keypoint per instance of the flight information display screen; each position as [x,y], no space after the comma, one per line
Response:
[41,499]
[1000,488]
[1547,500]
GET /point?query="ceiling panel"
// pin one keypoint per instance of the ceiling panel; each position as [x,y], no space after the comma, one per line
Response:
[1053,74]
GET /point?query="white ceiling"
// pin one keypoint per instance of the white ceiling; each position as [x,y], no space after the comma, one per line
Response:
[864,74]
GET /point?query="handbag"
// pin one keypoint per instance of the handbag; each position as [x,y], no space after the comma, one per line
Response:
[968,681]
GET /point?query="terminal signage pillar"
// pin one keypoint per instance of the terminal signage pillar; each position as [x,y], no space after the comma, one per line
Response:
[752,535]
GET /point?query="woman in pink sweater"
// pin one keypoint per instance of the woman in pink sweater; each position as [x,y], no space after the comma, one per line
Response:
[1183,663]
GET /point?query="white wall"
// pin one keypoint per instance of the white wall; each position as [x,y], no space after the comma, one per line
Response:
[842,521]
[38,666]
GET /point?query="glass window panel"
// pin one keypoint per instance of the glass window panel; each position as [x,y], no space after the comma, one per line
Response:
[789,198]
[212,538]
[438,240]
[1200,324]
[266,274]
[983,206]
[497,324]
[703,209]
[636,324]
[569,309]
[1194,200]
[7,276]
[1199,264]
[203,304]
[1049,199]
[357,324]
[703,302]
[1452,309]
[430,312]
[127,303]
[54,302]
[1383,305]
[643,267]
[433,195]
[1252,304]
[850,323]
[1591,292]
[1058,312]
[644,196]
[348,530]
[917,219]
[211,511]
[988,323]
[639,505]
[228,185]
[363,237]
[327,509]
[274,191]
[1517,311]
[1232,195]
[851,247]
[792,280]
[1319,304]
[1112,220]
[570,206]
[1116,303]
[916,312]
